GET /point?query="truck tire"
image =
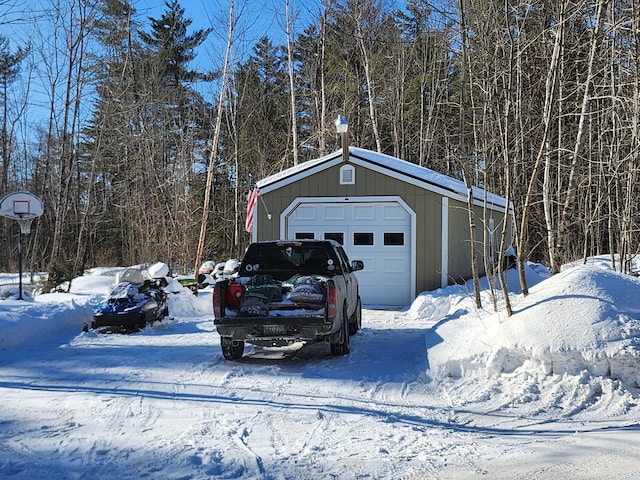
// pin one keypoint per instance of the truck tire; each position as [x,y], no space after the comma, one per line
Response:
[340,343]
[355,322]
[231,350]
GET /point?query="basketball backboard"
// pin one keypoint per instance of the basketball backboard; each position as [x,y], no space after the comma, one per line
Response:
[21,205]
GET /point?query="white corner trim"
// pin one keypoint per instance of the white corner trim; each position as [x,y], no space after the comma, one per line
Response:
[444,266]
[281,180]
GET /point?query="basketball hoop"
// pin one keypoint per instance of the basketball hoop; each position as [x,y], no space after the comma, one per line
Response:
[23,207]
[25,224]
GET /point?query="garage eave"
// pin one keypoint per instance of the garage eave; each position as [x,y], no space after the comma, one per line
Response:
[393,167]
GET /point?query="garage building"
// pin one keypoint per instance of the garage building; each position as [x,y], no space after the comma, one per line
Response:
[407,223]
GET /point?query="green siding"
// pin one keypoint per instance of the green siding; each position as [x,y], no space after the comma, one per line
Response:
[426,204]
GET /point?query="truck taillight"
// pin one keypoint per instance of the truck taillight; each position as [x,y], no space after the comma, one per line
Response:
[331,300]
[217,307]
[233,295]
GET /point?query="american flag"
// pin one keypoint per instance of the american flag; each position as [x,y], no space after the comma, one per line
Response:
[252,199]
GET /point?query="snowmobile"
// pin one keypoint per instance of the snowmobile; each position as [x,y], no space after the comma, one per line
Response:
[134,302]
[220,271]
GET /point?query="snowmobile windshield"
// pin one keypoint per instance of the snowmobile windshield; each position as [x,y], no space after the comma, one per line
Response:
[131,275]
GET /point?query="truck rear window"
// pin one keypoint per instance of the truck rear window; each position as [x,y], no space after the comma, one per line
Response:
[274,258]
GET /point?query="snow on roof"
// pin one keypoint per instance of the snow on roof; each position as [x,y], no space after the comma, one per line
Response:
[386,164]
[296,169]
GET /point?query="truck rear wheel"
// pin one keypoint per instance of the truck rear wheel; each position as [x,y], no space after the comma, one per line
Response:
[340,344]
[231,350]
[355,322]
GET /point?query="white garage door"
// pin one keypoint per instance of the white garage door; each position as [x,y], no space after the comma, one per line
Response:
[378,233]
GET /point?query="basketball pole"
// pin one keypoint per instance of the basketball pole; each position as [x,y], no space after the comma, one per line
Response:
[20,264]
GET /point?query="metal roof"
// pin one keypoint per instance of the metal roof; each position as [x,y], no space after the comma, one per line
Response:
[387,165]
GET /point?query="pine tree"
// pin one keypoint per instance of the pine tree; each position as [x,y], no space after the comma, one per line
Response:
[148,130]
[9,69]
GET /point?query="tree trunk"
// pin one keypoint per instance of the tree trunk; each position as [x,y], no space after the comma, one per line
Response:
[292,93]
[550,90]
[572,182]
[211,167]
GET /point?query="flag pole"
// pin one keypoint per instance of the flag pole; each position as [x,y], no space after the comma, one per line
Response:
[265,208]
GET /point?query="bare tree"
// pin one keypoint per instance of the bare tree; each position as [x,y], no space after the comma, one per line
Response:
[9,69]
[74,25]
[573,179]
[467,102]
[543,152]
[369,14]
[211,166]
[289,21]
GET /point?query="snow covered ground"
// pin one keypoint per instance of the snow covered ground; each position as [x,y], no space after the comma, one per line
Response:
[438,390]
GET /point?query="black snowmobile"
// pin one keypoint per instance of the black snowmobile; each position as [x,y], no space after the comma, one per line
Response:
[133,303]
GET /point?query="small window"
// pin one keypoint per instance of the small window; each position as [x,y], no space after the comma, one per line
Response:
[304,236]
[395,239]
[338,237]
[347,175]
[363,238]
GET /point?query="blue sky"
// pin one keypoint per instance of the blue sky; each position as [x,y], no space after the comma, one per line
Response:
[255,19]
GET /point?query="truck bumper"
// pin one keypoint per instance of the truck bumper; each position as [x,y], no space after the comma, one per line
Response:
[274,330]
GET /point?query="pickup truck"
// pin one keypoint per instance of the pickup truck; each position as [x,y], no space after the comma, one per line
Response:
[289,291]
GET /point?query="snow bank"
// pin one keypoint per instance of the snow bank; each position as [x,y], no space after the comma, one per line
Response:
[581,322]
[49,315]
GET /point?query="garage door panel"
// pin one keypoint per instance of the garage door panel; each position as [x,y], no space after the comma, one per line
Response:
[388,293]
[334,213]
[392,213]
[308,213]
[386,278]
[397,265]
[367,281]
[364,213]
